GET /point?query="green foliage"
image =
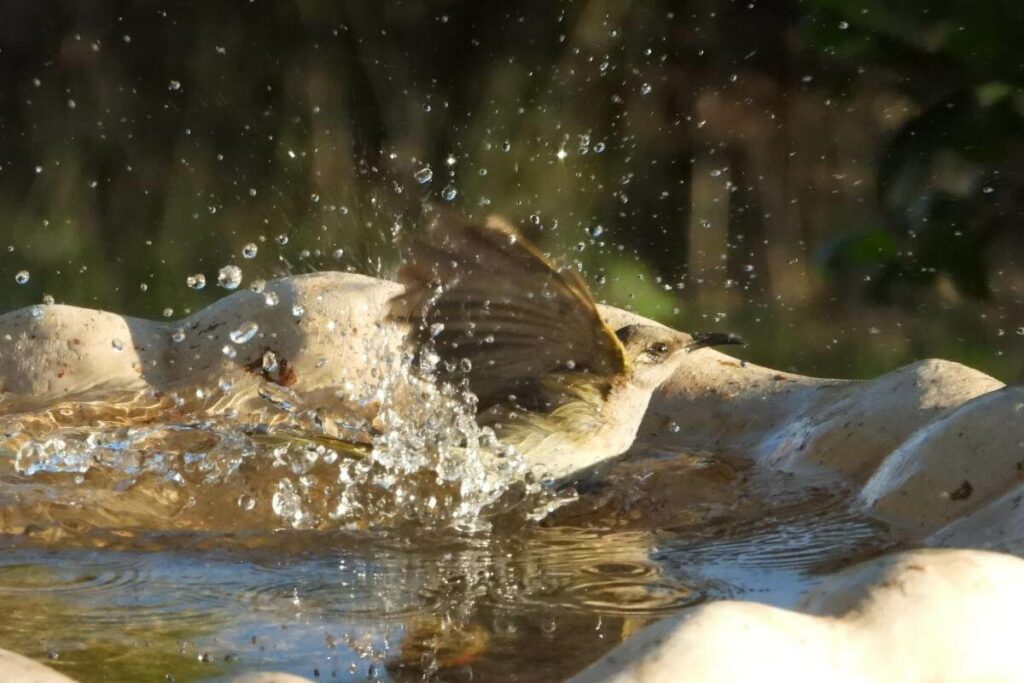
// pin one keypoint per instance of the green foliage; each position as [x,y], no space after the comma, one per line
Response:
[949,179]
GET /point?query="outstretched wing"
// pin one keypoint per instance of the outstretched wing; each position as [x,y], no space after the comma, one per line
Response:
[496,311]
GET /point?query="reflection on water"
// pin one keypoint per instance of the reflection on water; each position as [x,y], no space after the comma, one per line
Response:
[139,549]
[383,606]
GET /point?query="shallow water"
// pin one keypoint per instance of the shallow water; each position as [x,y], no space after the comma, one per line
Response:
[163,551]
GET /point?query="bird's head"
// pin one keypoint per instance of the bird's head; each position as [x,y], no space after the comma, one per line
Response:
[654,352]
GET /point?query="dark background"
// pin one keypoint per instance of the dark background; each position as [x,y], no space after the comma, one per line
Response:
[841,182]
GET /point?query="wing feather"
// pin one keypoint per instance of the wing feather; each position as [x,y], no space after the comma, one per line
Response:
[483,293]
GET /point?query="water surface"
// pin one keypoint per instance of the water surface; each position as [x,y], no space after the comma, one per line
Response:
[193,549]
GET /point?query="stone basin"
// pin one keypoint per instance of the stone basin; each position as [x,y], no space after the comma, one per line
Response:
[934,449]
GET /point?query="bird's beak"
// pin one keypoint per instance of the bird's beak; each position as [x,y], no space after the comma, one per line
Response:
[704,339]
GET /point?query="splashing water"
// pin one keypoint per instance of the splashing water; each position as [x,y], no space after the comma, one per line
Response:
[248,454]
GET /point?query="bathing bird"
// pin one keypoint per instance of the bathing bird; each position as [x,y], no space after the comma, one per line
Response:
[550,377]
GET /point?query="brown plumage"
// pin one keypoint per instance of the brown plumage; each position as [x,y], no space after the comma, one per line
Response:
[550,376]
[483,294]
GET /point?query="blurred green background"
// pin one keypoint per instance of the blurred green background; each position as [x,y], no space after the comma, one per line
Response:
[840,182]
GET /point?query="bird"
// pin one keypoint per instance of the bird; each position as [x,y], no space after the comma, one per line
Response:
[549,376]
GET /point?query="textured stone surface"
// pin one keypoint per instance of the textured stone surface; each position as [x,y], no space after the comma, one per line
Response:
[923,616]
[953,466]
[15,668]
[268,677]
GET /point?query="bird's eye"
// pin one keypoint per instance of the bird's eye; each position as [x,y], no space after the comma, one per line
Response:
[657,349]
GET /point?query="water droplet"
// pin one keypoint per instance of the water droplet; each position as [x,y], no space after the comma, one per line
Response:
[257,285]
[286,502]
[229,277]
[506,146]
[465,365]
[246,502]
[178,336]
[250,250]
[843,25]
[645,89]
[229,351]
[561,154]
[424,175]
[174,85]
[1020,331]
[338,254]
[673,427]
[270,298]
[449,193]
[298,310]
[270,362]
[244,333]
[197,281]
[117,344]
[22,277]
[48,299]
[281,239]
[988,189]
[37,312]
[595,231]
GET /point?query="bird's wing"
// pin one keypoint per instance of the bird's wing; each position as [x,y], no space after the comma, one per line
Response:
[483,294]
[566,408]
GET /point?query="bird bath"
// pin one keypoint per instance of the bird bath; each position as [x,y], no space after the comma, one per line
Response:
[174,503]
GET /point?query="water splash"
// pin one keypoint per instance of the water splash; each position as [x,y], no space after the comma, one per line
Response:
[246,453]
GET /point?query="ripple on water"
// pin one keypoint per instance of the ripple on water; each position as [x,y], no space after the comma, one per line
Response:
[184,558]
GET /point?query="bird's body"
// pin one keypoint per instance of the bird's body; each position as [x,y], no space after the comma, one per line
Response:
[585,430]
[550,377]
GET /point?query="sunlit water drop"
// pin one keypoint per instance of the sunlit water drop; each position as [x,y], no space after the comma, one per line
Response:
[424,175]
[229,277]
[244,333]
